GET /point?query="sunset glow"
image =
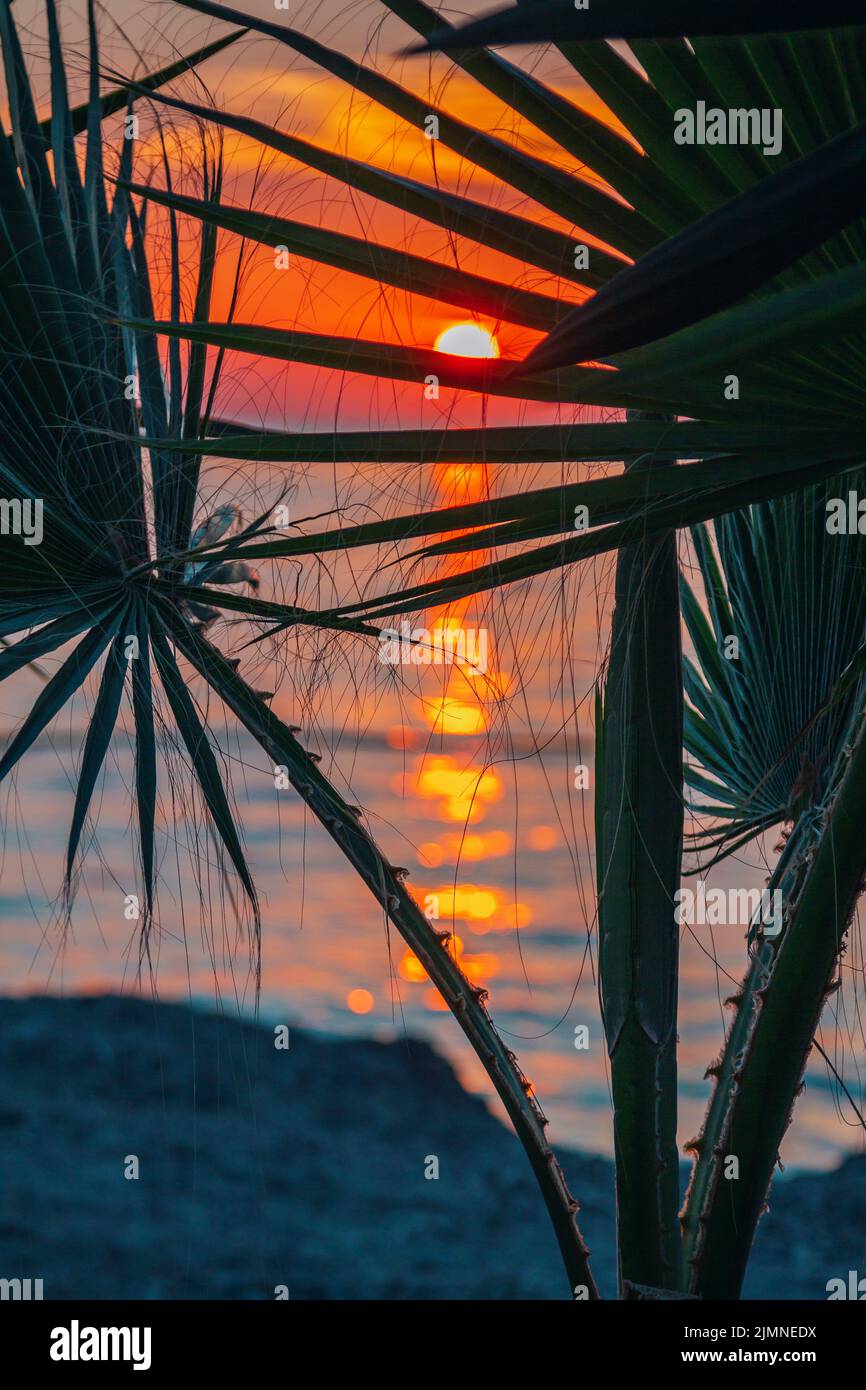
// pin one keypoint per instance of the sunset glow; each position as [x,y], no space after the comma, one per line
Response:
[464,791]
[467,340]
[451,716]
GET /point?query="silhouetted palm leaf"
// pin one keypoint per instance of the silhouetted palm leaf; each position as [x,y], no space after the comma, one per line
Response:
[534,21]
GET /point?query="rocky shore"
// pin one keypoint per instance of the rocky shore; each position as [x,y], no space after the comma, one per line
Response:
[304,1168]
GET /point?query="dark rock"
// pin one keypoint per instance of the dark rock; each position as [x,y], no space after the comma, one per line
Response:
[304,1167]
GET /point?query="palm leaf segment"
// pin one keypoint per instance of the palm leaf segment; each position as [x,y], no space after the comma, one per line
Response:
[790,335]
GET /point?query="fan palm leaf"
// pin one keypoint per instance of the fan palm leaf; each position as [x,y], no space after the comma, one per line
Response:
[781,592]
[558,20]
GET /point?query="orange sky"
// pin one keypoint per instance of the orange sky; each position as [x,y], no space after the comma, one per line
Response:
[260,77]
[325,110]
[318,298]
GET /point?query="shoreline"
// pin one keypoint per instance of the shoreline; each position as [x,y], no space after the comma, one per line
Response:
[306,1167]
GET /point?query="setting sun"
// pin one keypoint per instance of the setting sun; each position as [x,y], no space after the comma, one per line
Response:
[467,340]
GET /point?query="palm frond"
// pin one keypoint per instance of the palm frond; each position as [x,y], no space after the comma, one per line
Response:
[782,594]
[559,20]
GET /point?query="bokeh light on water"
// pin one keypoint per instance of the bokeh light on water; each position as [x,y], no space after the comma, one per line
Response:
[482,808]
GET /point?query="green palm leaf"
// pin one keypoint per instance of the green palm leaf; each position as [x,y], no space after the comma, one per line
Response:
[145,753]
[204,763]
[57,692]
[719,260]
[100,731]
[559,20]
[551,187]
[503,231]
[375,262]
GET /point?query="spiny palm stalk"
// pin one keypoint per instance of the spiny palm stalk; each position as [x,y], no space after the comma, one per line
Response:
[743,311]
[798,980]
[782,747]
[638,850]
